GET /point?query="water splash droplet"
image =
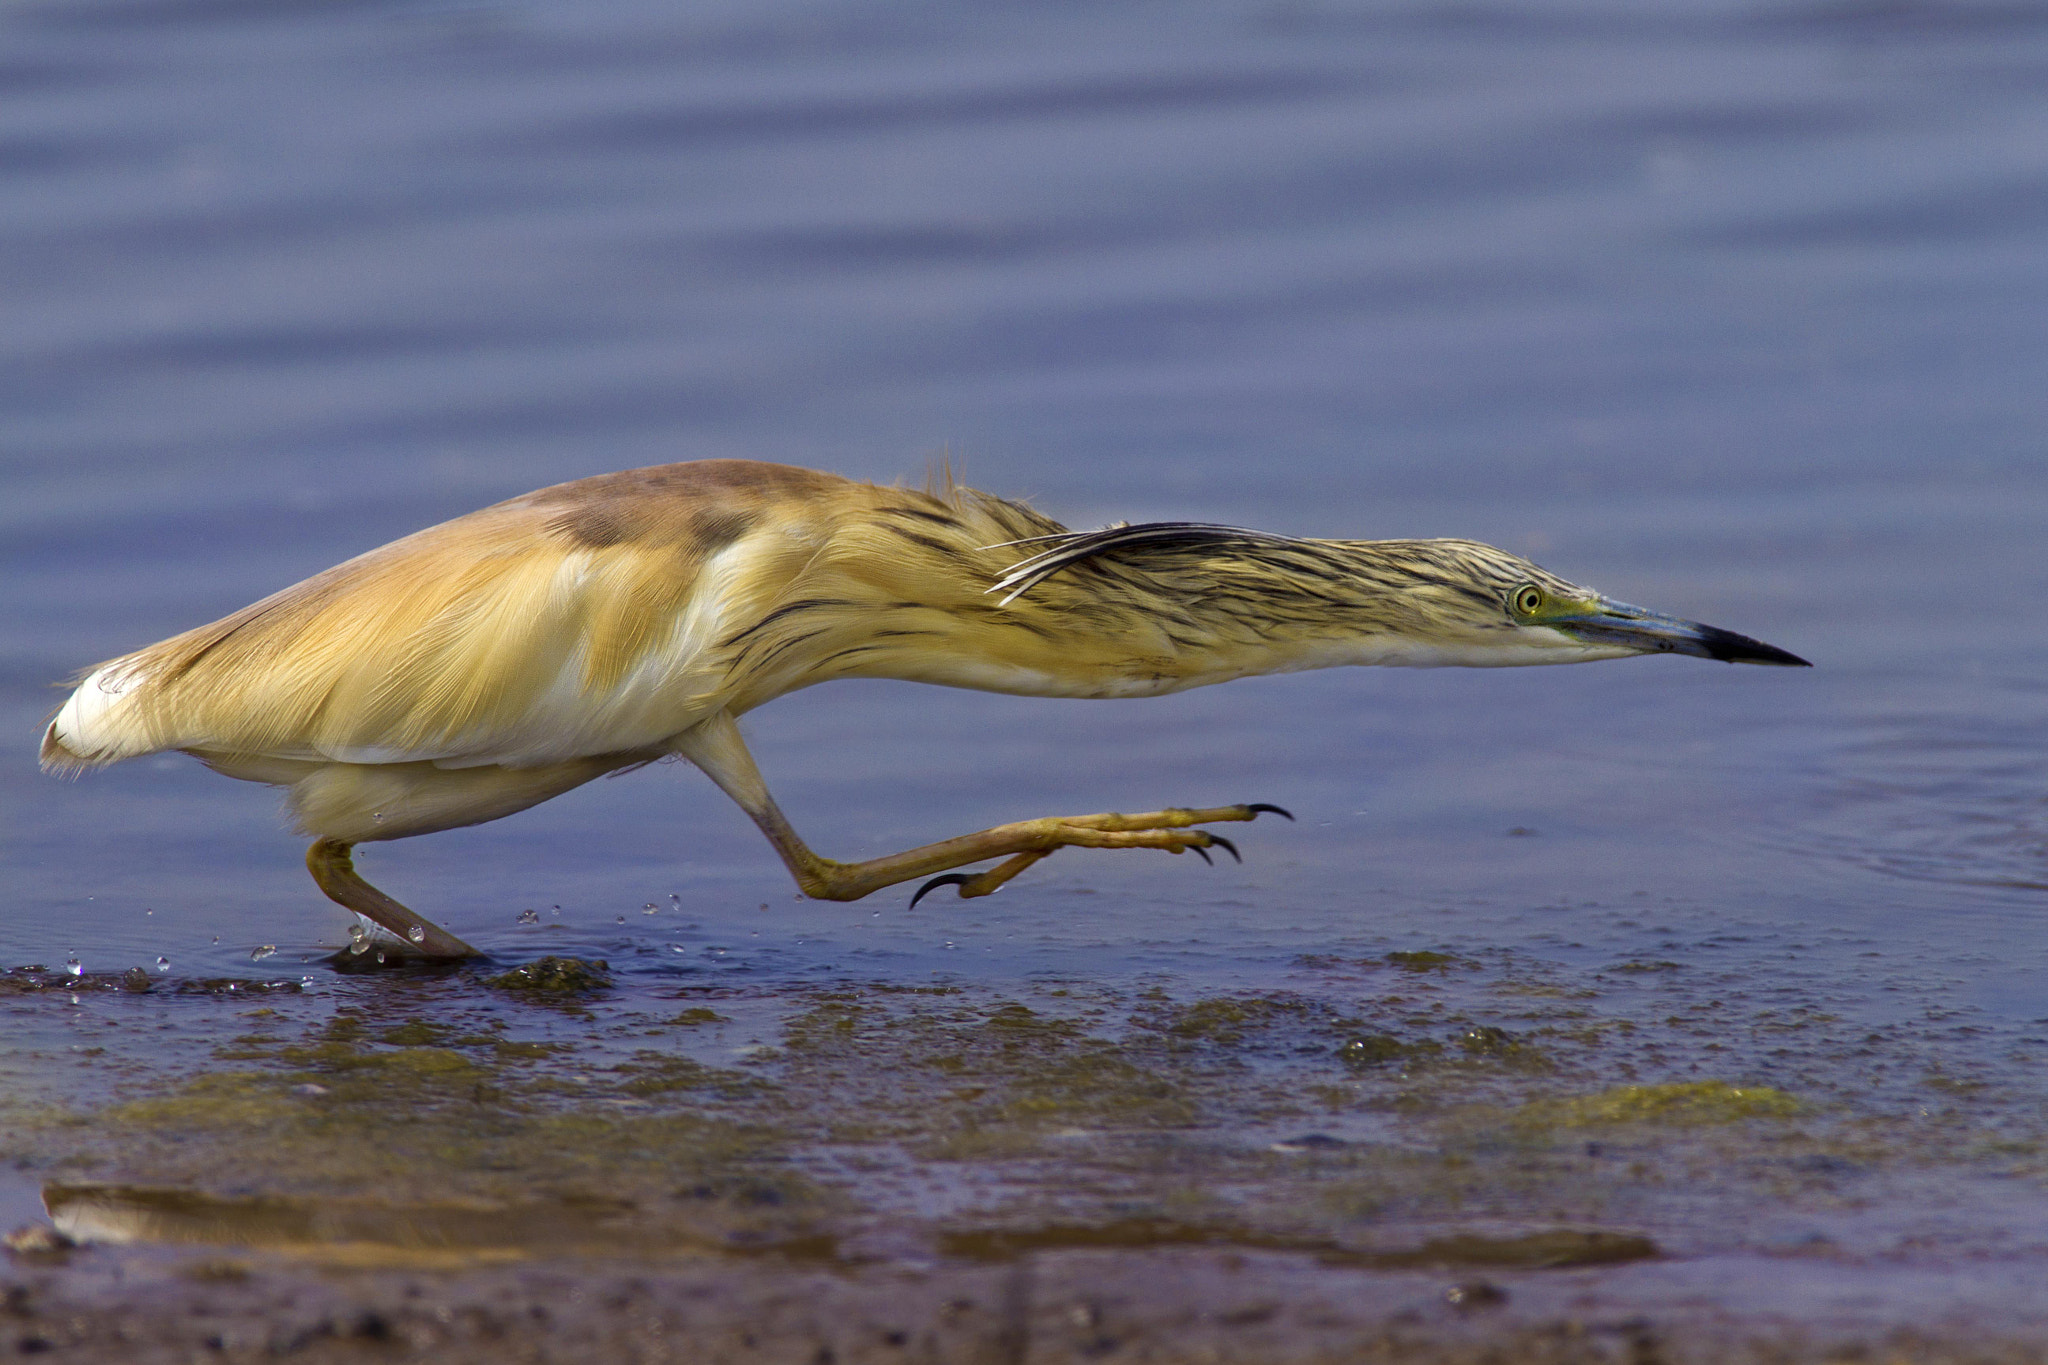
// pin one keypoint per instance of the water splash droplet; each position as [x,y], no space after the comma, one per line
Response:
[74,967]
[378,816]
[650,908]
[163,964]
[529,917]
[676,948]
[380,959]
[622,919]
[416,934]
[258,954]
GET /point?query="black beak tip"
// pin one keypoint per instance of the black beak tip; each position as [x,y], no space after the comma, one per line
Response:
[1729,647]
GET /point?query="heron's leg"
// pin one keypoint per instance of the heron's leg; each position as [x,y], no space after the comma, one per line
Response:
[335,871]
[716,747]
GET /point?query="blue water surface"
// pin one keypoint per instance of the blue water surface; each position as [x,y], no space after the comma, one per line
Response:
[1730,309]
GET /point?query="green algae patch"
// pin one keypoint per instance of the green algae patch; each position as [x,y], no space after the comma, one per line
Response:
[422,1111]
[416,1033]
[961,1081]
[1426,961]
[1686,1104]
[555,976]
[428,1125]
[662,1073]
[1223,1021]
[223,1101]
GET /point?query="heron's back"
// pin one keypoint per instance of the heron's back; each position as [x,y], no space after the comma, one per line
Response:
[573,621]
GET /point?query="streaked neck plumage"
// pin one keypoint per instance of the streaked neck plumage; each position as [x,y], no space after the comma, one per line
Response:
[930,591]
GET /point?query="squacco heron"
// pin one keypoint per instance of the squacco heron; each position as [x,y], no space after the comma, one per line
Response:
[489,663]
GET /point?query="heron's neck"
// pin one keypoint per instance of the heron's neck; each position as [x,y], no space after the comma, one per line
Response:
[1075,644]
[917,605]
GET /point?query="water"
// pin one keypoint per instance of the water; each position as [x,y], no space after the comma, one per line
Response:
[1729,309]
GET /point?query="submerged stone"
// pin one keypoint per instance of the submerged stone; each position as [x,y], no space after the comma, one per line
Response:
[556,976]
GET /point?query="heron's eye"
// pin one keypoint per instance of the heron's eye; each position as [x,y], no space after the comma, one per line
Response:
[1526,600]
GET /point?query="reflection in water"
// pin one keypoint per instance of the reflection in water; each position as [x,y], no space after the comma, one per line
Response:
[367,1231]
[1555,1248]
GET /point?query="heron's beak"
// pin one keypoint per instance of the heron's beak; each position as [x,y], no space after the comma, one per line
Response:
[1617,623]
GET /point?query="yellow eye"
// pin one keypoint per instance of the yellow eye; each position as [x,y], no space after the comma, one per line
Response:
[1526,600]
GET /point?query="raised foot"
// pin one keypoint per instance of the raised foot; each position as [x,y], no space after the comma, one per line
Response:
[1170,830]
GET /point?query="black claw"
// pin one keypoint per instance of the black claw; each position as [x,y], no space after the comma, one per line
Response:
[1226,846]
[1203,853]
[1258,806]
[950,879]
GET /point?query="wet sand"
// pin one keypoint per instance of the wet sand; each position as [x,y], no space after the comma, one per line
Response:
[1072,1307]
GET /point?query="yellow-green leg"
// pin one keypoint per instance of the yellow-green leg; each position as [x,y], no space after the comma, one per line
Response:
[716,747]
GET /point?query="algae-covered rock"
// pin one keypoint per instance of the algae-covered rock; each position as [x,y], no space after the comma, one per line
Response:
[556,976]
[1426,961]
[1378,1049]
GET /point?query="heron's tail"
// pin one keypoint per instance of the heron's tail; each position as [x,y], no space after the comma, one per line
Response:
[100,723]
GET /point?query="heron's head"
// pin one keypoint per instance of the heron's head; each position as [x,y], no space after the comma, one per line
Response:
[1270,601]
[1461,602]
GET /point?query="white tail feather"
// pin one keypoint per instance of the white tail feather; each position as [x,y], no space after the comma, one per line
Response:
[97,725]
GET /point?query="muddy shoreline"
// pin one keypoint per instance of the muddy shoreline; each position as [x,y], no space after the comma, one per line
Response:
[1172,1306]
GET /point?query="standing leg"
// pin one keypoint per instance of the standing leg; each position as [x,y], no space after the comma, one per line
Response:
[335,871]
[716,747]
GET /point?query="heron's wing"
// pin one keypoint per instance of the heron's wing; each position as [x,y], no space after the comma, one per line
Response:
[571,622]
